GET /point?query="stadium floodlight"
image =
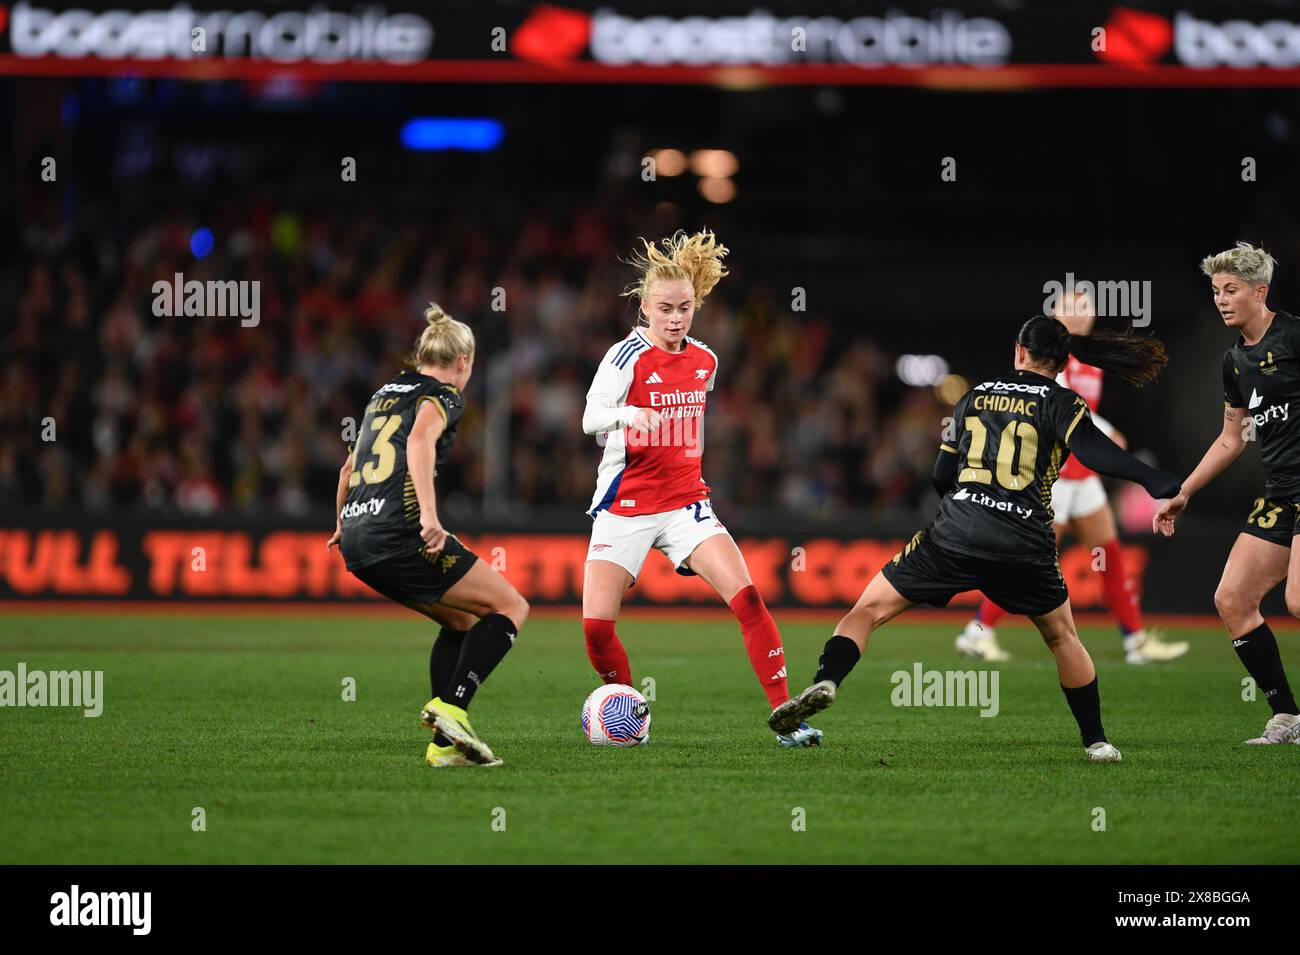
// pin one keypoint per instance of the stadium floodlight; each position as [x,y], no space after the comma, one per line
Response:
[717,189]
[921,371]
[669,162]
[201,242]
[436,133]
[714,163]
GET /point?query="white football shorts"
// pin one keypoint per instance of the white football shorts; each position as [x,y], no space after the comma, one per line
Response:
[626,540]
[1071,499]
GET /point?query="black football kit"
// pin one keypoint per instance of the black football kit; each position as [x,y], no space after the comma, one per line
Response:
[1264,379]
[381,518]
[993,533]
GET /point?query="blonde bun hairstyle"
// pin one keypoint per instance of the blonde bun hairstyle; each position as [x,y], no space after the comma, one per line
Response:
[443,340]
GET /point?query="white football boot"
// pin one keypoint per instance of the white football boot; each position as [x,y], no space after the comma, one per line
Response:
[805,736]
[1282,728]
[1145,646]
[981,642]
[1103,752]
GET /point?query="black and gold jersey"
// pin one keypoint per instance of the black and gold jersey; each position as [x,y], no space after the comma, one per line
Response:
[381,518]
[1010,435]
[1264,378]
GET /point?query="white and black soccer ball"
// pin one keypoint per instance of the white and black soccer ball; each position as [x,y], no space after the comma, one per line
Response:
[616,715]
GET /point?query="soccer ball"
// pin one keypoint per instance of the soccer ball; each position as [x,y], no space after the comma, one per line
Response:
[616,715]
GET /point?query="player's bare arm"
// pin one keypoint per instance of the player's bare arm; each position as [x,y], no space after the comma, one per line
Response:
[340,498]
[1227,447]
[421,454]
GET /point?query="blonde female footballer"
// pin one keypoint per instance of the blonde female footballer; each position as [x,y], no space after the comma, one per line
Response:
[647,401]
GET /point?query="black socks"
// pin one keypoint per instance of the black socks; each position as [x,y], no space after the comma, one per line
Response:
[1085,704]
[486,643]
[1259,654]
[839,656]
[442,659]
[442,664]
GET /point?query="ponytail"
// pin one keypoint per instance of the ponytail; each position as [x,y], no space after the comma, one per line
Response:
[1137,359]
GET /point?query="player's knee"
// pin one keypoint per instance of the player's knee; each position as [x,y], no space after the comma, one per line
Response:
[598,631]
[747,603]
[1231,604]
[458,620]
[867,615]
[1056,637]
[516,608]
[1293,599]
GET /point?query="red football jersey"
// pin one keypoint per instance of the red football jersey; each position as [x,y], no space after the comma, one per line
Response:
[652,473]
[1084,381]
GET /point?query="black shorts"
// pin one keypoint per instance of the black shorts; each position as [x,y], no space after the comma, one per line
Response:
[925,573]
[1273,521]
[417,580]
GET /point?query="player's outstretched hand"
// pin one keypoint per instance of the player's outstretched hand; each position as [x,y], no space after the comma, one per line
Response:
[1163,522]
[432,533]
[647,420]
[335,538]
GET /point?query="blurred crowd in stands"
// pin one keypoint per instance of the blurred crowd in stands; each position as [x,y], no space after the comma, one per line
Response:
[111,408]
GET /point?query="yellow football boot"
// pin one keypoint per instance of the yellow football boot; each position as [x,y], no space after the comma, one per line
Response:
[437,756]
[453,723]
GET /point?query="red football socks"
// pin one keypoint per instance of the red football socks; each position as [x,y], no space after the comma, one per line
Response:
[989,613]
[1120,597]
[606,651]
[762,643]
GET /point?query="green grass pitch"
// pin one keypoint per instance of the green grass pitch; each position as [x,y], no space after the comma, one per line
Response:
[244,717]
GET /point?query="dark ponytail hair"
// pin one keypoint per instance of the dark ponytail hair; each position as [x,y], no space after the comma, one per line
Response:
[1138,360]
